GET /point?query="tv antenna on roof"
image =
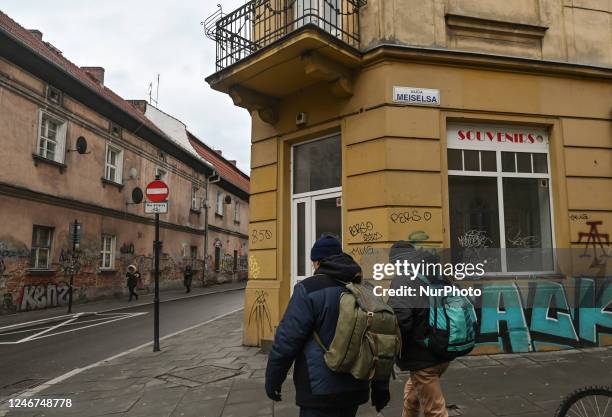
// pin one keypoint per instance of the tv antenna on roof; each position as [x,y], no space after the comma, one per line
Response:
[156,99]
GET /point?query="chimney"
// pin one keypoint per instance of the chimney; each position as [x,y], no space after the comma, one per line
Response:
[219,151]
[97,73]
[141,105]
[233,162]
[37,33]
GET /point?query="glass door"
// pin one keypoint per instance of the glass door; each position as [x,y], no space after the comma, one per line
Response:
[313,216]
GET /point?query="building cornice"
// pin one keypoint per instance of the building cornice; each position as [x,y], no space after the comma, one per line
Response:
[460,58]
[31,195]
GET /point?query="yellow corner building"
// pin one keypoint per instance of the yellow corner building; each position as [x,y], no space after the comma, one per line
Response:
[460,124]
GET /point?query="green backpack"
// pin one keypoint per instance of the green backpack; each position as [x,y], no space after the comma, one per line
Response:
[367,338]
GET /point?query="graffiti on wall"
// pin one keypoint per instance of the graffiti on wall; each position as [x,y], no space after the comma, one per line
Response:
[259,314]
[366,231]
[595,244]
[39,296]
[543,316]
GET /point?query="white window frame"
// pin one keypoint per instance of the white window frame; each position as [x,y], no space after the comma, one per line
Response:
[118,167]
[43,141]
[219,209]
[35,251]
[107,255]
[195,200]
[237,212]
[309,199]
[500,175]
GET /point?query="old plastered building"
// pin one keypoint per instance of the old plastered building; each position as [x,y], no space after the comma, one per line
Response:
[462,124]
[47,106]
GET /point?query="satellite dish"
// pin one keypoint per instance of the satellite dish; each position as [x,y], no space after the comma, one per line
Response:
[81,145]
[137,195]
[228,199]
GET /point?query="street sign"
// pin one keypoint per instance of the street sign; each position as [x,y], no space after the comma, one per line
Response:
[157,191]
[158,208]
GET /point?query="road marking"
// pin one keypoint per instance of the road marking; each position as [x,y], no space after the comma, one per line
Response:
[108,318]
[4,409]
[56,318]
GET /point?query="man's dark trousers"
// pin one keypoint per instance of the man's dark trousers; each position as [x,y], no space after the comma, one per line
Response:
[329,412]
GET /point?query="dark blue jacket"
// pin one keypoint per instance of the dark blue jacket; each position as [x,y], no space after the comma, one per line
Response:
[314,306]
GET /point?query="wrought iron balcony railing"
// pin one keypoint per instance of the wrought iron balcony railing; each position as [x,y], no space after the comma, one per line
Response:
[259,23]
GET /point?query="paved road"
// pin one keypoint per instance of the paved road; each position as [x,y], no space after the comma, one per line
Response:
[92,338]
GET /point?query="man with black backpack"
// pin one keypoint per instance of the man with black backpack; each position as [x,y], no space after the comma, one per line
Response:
[308,327]
[428,344]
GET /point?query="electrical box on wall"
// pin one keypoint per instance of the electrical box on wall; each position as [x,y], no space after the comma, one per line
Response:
[301,119]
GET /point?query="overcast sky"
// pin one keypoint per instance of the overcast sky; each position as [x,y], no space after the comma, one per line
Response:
[134,40]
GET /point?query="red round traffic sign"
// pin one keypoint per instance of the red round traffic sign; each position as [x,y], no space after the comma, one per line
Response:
[157,191]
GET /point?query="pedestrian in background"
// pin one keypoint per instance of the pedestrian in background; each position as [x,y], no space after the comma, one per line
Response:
[133,276]
[188,278]
[423,391]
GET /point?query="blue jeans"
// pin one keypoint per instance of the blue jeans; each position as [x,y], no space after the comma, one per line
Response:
[329,412]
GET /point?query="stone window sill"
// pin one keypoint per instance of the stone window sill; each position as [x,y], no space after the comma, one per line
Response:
[192,210]
[106,182]
[107,271]
[41,159]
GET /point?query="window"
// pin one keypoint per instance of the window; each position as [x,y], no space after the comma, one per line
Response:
[54,95]
[113,170]
[51,138]
[219,207]
[195,200]
[107,254]
[317,165]
[193,255]
[499,198]
[41,247]
[115,130]
[237,212]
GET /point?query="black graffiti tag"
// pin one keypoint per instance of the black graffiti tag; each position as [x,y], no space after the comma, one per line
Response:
[411,216]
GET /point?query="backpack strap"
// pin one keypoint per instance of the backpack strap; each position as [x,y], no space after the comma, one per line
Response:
[317,339]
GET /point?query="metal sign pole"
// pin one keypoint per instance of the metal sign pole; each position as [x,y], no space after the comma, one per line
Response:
[157,247]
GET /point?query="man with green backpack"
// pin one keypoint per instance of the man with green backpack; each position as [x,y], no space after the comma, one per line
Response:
[435,330]
[341,339]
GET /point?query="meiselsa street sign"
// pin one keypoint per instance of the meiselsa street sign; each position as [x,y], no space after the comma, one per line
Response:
[413,95]
[154,207]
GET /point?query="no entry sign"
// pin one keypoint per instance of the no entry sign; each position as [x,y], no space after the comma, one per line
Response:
[157,191]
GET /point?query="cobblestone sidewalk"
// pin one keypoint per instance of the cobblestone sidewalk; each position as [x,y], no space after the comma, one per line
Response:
[205,372]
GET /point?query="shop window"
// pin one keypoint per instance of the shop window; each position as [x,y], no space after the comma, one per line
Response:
[107,253]
[113,167]
[500,200]
[51,138]
[41,247]
[317,165]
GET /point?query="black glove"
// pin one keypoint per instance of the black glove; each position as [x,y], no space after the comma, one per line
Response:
[380,398]
[273,393]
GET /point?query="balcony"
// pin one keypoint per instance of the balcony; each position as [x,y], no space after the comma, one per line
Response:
[260,23]
[269,49]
